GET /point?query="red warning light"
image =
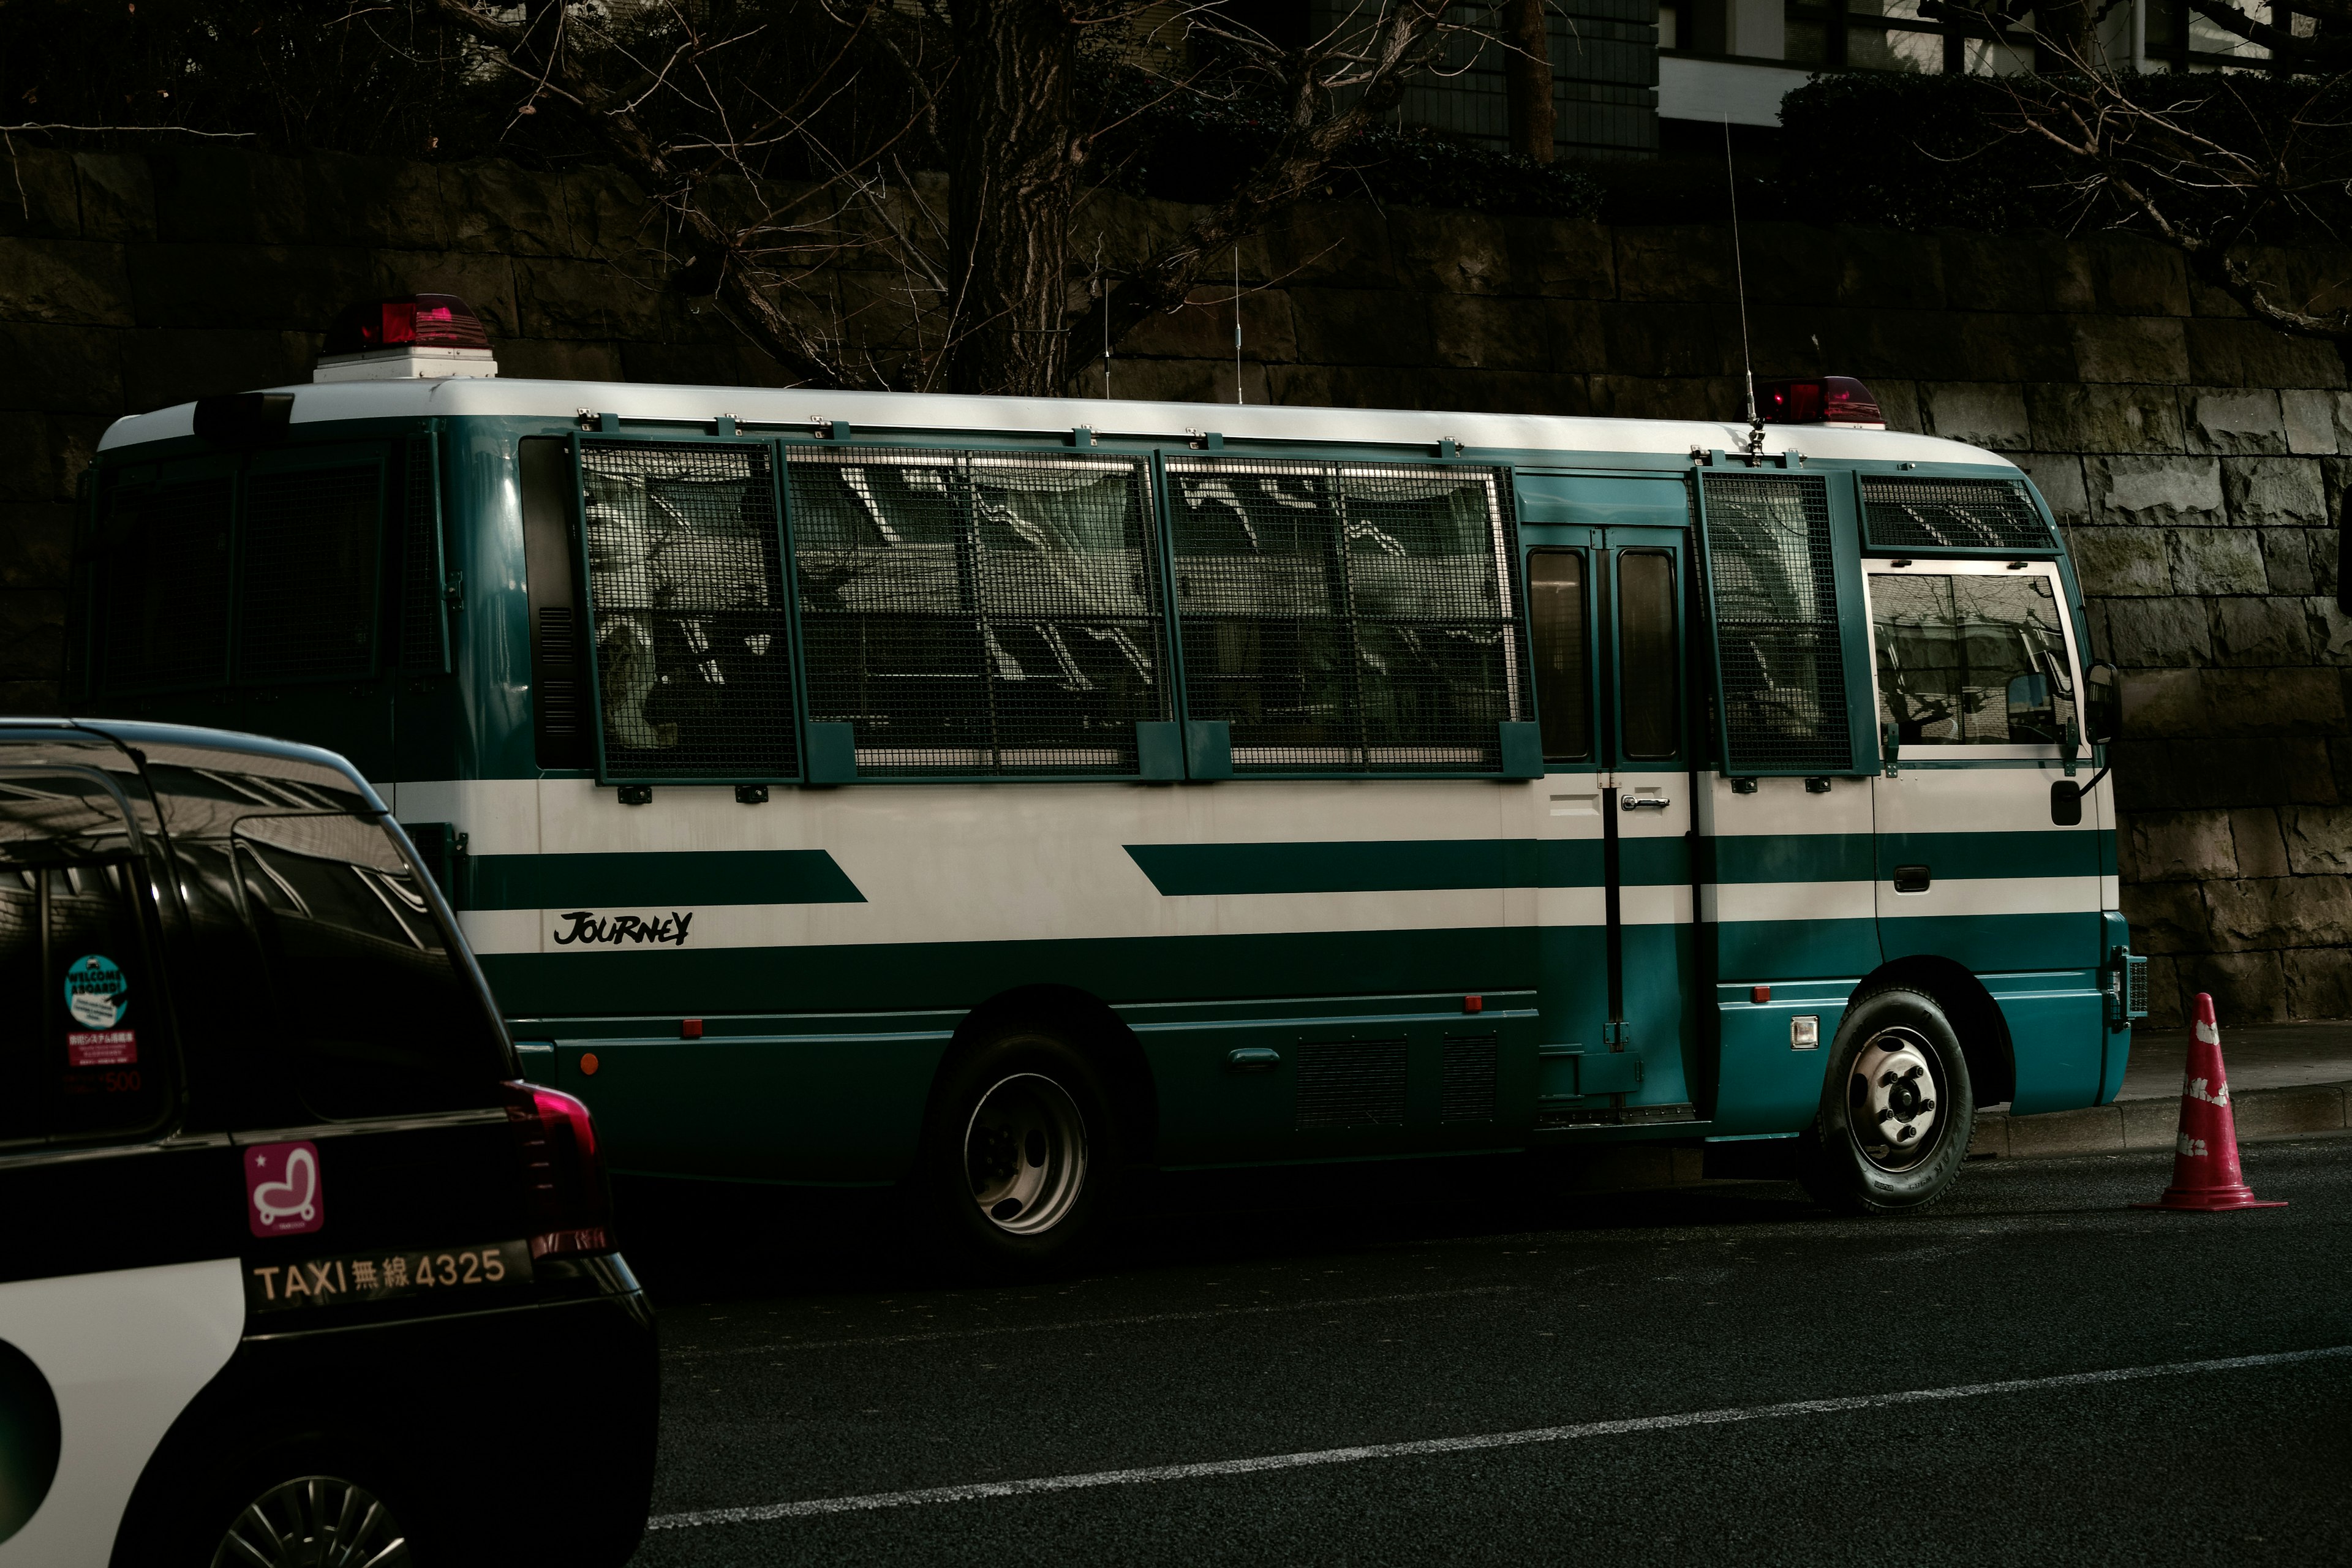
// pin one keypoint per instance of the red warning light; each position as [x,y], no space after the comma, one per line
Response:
[419,321]
[1836,400]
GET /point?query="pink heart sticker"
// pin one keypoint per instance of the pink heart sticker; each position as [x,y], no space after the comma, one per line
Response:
[282,1191]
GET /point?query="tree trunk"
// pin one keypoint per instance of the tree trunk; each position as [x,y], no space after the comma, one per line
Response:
[1526,79]
[1013,150]
[2068,25]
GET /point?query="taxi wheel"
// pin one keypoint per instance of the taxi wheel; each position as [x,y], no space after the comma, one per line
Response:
[1897,1108]
[304,1521]
[1018,1151]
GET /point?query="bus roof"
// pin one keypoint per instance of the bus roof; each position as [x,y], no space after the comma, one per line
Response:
[457,396]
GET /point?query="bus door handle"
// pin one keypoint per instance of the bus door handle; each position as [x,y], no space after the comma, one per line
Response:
[1643,802]
[1912,878]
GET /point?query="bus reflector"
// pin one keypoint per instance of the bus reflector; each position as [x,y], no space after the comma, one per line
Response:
[1759,994]
[1474,1003]
[1838,401]
[689,1029]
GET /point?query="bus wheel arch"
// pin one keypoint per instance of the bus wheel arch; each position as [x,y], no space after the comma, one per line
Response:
[1090,1024]
[1033,1116]
[1975,1016]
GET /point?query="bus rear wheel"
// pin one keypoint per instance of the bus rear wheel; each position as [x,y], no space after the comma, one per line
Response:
[1019,1151]
[1897,1108]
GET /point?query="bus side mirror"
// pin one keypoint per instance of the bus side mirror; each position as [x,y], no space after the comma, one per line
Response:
[2065,803]
[2102,705]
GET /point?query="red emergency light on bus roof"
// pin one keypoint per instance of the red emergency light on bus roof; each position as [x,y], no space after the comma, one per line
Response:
[419,321]
[1838,401]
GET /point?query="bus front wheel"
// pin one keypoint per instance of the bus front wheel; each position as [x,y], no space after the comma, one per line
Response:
[1018,1150]
[1898,1109]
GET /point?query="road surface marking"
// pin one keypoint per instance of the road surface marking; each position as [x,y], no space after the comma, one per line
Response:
[1147,1475]
[1089,1322]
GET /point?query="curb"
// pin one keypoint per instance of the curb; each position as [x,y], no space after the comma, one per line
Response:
[2128,1125]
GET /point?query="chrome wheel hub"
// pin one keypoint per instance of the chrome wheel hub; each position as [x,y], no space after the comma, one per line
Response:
[314,1521]
[1026,1152]
[1894,1097]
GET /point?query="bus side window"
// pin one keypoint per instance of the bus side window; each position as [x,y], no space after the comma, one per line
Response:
[1556,603]
[558,675]
[1648,651]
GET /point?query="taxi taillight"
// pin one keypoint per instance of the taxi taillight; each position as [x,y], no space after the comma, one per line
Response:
[570,1202]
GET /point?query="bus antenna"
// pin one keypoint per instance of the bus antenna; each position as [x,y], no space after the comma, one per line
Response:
[1739,281]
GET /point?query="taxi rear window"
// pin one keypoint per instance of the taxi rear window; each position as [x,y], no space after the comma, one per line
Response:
[322,981]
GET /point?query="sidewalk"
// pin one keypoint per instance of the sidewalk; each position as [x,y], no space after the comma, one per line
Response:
[2286,1080]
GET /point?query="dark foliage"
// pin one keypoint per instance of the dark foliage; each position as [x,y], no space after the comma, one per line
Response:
[1193,145]
[1930,151]
[294,75]
[387,78]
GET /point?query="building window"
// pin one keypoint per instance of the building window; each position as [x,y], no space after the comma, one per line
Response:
[1901,36]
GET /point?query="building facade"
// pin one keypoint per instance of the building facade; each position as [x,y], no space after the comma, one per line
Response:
[1620,68]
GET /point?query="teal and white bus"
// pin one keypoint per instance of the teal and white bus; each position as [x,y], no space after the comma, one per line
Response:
[994,795]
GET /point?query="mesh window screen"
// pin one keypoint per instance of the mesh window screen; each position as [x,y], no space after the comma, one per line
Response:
[163,597]
[306,600]
[972,612]
[1348,618]
[422,616]
[1953,514]
[1776,625]
[686,598]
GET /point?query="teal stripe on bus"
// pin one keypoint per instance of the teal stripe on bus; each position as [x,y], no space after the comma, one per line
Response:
[1372,866]
[1859,856]
[679,878]
[2071,853]
[693,983]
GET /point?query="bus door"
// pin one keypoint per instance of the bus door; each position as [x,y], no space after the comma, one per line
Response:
[1607,605]
[1975,681]
[1646,810]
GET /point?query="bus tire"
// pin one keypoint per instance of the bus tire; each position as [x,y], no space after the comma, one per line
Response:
[1897,1108]
[1019,1151]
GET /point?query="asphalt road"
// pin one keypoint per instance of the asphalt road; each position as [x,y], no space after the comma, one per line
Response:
[1566,1339]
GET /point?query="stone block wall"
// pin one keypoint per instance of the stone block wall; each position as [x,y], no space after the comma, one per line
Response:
[2197,459]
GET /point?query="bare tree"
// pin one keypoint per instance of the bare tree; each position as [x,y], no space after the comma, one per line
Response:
[990,295]
[1526,74]
[2215,163]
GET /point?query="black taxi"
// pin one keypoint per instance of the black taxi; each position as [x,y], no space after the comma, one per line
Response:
[295,1267]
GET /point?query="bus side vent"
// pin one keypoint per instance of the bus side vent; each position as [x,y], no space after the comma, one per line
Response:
[687,611]
[163,593]
[1466,1086]
[306,604]
[1351,1083]
[556,678]
[423,591]
[1951,514]
[1779,654]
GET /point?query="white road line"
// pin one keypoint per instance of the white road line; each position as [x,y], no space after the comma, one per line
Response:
[1149,1474]
[688,1354]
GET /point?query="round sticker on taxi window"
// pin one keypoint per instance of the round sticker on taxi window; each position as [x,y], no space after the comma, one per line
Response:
[97,995]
